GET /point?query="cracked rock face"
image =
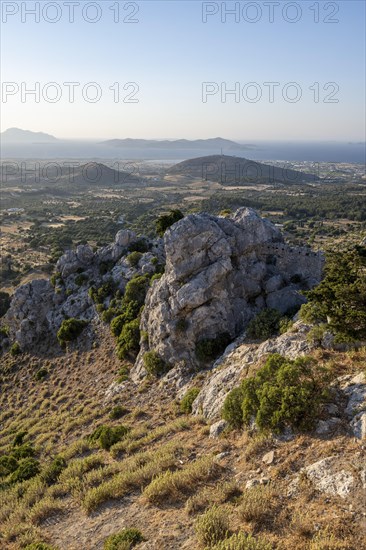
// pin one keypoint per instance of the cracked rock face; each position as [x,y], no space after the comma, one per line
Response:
[219,274]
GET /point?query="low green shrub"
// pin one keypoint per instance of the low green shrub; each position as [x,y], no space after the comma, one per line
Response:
[134,258]
[242,541]
[23,451]
[81,279]
[106,436]
[70,330]
[15,349]
[283,393]
[117,412]
[285,325]
[52,471]
[128,343]
[187,400]
[19,438]
[208,349]
[124,540]
[8,465]
[232,409]
[264,325]
[212,526]
[27,468]
[127,313]
[154,364]
[136,290]
[41,374]
[4,331]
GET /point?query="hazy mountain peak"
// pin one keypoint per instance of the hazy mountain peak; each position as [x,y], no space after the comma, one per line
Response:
[18,135]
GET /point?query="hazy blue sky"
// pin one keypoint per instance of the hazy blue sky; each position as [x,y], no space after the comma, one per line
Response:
[170,52]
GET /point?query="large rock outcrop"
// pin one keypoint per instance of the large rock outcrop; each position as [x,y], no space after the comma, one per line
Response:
[39,307]
[219,273]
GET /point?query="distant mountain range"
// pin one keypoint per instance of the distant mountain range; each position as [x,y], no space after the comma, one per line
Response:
[16,135]
[231,170]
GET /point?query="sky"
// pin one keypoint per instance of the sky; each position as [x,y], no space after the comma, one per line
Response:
[164,69]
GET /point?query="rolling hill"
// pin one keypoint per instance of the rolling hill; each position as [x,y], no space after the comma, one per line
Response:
[231,170]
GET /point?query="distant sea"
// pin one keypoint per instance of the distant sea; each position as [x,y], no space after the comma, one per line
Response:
[307,151]
[256,150]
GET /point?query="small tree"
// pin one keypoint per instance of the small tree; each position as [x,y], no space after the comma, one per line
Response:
[70,330]
[166,220]
[340,299]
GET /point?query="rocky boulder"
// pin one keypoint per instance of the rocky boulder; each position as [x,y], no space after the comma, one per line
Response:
[354,390]
[219,273]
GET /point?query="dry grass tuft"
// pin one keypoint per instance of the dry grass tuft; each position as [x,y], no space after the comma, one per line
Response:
[173,486]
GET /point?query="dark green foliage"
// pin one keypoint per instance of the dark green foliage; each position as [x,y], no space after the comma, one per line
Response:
[283,393]
[15,349]
[232,411]
[129,312]
[56,279]
[208,349]
[139,246]
[41,374]
[4,331]
[136,290]
[70,330]
[123,374]
[181,325]
[100,294]
[154,364]
[23,451]
[264,325]
[340,299]
[52,471]
[109,314]
[104,267]
[19,438]
[4,302]
[155,277]
[166,220]
[285,324]
[117,412]
[126,539]
[27,468]
[106,436]
[128,343]
[187,401]
[8,464]
[134,258]
[81,279]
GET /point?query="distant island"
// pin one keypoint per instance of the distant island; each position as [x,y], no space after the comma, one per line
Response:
[17,135]
[210,144]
